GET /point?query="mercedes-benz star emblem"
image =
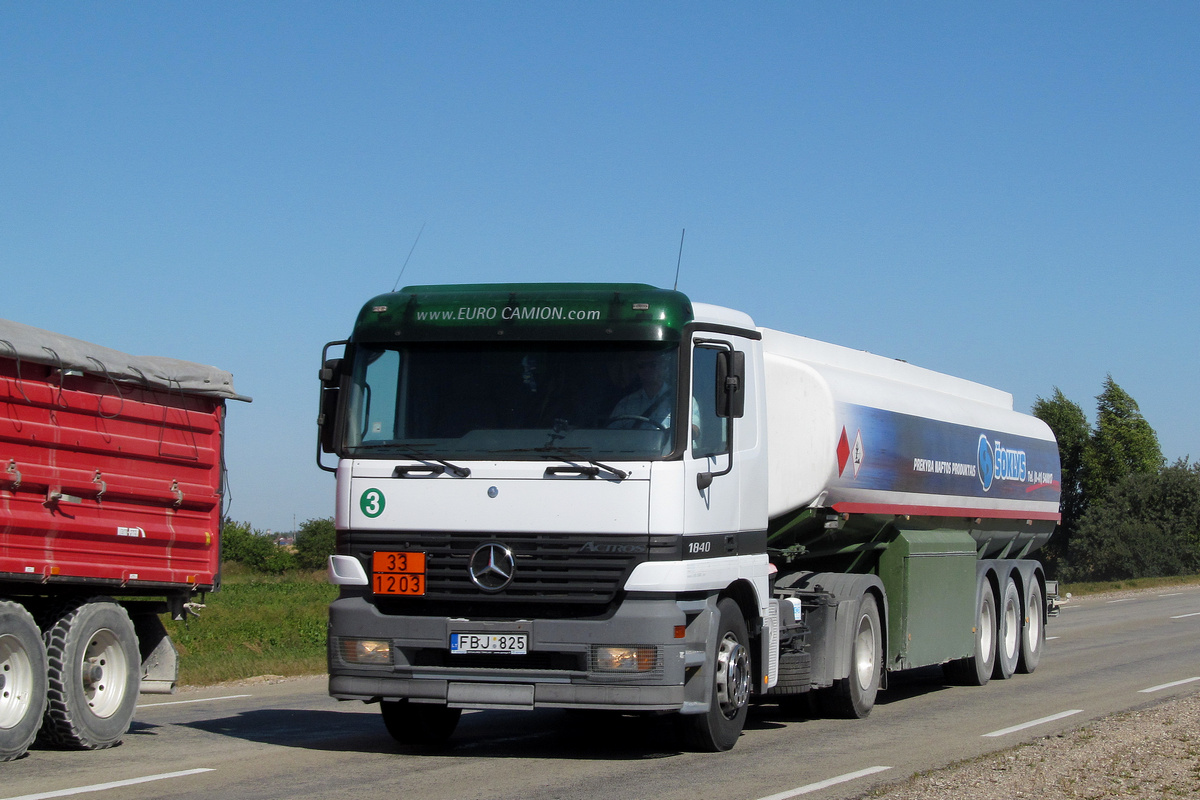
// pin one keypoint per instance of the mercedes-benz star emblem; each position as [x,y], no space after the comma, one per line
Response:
[492,566]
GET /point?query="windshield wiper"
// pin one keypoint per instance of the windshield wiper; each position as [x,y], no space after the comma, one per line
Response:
[592,472]
[454,469]
[443,466]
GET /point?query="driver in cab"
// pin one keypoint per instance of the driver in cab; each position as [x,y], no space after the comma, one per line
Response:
[649,407]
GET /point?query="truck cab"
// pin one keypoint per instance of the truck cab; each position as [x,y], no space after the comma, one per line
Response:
[544,495]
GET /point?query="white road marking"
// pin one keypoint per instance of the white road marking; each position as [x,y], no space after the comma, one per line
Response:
[1185,616]
[100,787]
[1033,723]
[1052,638]
[1122,600]
[201,700]
[816,787]
[1171,685]
[1172,594]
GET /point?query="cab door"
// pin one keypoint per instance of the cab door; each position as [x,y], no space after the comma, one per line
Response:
[712,508]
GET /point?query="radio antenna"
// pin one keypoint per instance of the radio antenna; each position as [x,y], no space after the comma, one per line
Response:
[679,260]
[410,252]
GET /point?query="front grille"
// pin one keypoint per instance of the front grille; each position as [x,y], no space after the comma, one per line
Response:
[551,568]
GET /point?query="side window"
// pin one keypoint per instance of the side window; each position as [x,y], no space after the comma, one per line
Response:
[710,433]
[378,409]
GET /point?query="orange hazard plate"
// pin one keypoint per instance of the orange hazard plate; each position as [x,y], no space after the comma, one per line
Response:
[398,573]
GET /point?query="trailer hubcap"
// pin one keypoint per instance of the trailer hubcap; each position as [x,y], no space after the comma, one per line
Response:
[733,676]
[104,671]
[16,681]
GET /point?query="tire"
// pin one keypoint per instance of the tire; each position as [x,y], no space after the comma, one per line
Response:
[853,697]
[1008,632]
[419,724]
[22,680]
[1033,633]
[729,668]
[94,670]
[976,670]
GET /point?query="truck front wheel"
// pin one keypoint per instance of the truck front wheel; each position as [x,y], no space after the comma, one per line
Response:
[419,723]
[94,670]
[719,728]
[22,680]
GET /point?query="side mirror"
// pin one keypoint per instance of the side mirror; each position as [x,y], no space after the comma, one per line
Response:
[330,372]
[731,384]
[330,376]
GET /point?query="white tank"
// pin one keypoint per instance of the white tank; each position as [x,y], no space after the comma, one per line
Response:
[862,434]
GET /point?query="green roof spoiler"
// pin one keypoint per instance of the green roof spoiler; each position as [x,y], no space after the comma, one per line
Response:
[525,311]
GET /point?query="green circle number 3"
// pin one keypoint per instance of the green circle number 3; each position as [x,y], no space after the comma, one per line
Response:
[372,503]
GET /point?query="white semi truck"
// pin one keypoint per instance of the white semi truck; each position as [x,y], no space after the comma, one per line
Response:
[606,496]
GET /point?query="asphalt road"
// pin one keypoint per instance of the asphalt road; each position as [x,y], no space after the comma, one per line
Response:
[289,740]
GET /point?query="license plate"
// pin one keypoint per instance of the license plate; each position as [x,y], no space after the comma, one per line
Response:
[398,572]
[512,644]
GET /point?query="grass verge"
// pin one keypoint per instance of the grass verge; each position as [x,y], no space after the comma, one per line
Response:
[255,625]
[1100,587]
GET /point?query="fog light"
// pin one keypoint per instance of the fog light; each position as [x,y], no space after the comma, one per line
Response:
[366,651]
[624,659]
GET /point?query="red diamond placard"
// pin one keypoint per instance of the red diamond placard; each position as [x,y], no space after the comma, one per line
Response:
[843,451]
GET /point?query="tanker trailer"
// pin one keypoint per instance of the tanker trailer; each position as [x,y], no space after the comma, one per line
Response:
[917,498]
[606,496]
[111,487]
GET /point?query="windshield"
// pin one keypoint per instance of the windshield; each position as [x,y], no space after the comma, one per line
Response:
[524,400]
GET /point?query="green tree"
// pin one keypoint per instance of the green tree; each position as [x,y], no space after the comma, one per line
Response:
[1122,444]
[315,542]
[242,543]
[1070,426]
[1146,525]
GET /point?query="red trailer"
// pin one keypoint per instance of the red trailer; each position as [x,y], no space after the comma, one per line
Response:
[111,490]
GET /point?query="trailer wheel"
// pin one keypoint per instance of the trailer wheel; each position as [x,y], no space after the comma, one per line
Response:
[853,697]
[1008,632]
[976,670]
[94,669]
[22,680]
[719,728]
[1033,633]
[419,723]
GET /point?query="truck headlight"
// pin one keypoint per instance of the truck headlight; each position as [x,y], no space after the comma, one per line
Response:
[366,651]
[632,658]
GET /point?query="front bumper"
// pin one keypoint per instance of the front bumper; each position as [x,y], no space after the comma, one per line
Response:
[559,671]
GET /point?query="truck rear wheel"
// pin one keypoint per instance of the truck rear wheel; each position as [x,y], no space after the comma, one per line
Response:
[419,723]
[976,670]
[94,669]
[853,697]
[1033,633]
[1008,631]
[22,680]
[719,728]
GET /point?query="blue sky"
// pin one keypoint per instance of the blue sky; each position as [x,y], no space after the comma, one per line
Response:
[1006,192]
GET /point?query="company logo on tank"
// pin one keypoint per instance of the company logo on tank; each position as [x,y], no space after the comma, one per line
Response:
[1000,463]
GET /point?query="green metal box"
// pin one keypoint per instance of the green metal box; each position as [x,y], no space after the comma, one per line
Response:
[930,581]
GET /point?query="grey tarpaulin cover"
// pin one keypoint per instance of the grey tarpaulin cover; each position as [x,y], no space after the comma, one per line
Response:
[27,343]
